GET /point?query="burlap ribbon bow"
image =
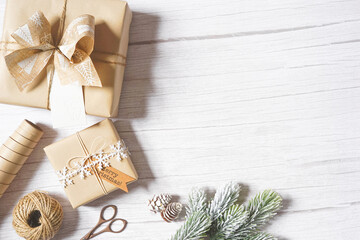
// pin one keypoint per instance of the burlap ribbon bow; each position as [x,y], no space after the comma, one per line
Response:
[72,60]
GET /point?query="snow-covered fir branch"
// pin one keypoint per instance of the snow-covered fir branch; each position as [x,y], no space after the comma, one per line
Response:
[225,219]
[195,227]
[197,202]
[223,199]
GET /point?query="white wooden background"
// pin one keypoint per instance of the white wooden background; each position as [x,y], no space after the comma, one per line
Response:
[265,93]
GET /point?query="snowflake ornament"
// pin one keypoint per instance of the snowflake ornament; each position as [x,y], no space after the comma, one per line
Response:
[94,161]
[102,160]
[120,149]
[83,171]
[65,177]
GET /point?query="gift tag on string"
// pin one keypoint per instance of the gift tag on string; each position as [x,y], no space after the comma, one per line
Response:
[66,102]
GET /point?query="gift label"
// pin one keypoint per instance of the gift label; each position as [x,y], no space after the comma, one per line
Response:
[116,177]
[66,103]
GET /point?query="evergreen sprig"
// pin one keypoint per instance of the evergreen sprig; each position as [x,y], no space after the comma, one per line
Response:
[260,236]
[223,199]
[197,202]
[224,219]
[261,208]
[195,227]
[228,223]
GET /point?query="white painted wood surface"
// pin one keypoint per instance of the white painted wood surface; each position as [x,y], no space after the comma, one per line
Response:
[266,93]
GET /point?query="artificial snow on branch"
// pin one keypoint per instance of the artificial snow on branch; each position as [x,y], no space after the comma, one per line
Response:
[195,227]
[223,218]
[197,202]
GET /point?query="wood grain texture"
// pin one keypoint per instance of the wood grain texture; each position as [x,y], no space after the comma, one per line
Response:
[265,93]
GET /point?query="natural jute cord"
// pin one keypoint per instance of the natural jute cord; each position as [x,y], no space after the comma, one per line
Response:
[37,216]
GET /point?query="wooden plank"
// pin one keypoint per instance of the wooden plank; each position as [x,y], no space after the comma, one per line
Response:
[263,93]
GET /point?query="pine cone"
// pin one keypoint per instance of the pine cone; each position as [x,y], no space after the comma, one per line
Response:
[172,211]
[159,202]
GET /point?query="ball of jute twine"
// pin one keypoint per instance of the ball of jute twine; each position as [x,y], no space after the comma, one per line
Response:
[37,216]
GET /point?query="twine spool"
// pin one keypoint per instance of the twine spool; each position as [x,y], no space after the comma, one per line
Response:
[37,216]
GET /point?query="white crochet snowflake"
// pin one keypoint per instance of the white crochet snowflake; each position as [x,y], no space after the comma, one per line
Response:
[83,171]
[65,177]
[120,150]
[98,160]
[102,160]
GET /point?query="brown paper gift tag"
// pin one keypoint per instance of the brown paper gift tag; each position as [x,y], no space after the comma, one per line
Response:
[8,166]
[88,189]
[112,24]
[116,178]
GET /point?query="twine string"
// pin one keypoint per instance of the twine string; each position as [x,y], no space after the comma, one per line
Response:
[50,219]
[47,224]
[57,41]
[88,158]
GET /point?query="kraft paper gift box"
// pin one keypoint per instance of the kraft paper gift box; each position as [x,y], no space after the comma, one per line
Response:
[112,23]
[68,155]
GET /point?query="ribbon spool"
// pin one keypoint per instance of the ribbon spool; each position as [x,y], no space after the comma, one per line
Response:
[16,150]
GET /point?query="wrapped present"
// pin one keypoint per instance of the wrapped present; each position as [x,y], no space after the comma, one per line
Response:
[92,163]
[64,39]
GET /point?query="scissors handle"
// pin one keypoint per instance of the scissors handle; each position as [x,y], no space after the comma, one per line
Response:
[109,227]
[102,220]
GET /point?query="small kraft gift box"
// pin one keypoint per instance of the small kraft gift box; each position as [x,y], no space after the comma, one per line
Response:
[84,39]
[92,163]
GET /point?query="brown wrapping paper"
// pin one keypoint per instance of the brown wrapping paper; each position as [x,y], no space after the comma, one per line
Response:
[88,189]
[29,131]
[3,188]
[6,178]
[13,153]
[23,140]
[12,156]
[8,166]
[112,23]
[17,147]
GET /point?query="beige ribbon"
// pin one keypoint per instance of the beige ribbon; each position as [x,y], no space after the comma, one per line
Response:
[71,54]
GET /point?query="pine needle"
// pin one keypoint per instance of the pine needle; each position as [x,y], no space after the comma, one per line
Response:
[229,222]
[223,199]
[223,219]
[261,208]
[195,227]
[261,236]
[197,202]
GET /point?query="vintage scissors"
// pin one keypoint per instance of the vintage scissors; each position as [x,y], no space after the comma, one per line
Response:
[102,220]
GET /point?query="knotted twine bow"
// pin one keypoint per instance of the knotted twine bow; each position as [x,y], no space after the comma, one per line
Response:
[88,159]
[71,54]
